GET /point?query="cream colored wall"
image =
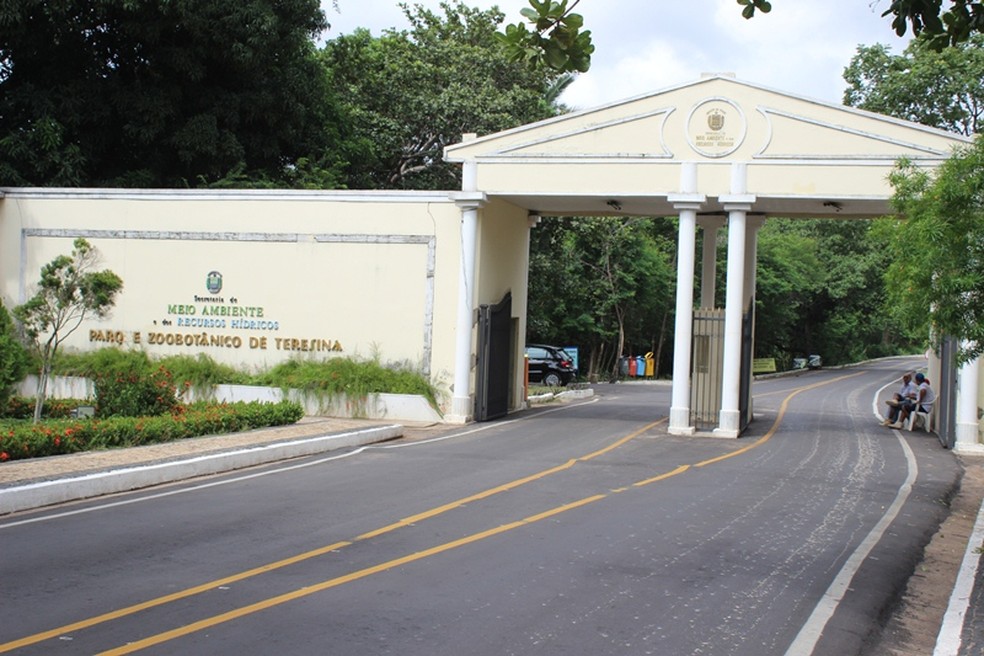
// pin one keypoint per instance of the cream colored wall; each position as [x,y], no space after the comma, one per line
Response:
[331,273]
[503,263]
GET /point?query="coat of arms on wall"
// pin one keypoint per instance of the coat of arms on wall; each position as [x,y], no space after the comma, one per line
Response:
[716,127]
[213,282]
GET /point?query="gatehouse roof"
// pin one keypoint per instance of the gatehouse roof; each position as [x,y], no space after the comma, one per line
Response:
[803,157]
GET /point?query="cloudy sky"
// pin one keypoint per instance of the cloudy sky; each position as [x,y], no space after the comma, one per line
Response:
[641,46]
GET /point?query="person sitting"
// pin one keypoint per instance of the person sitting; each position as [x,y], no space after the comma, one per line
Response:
[908,391]
[924,401]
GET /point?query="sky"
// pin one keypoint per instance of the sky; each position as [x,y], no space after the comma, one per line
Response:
[642,46]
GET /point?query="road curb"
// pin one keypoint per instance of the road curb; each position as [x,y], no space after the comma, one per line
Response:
[124,479]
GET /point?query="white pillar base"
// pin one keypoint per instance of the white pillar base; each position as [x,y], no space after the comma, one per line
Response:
[461,410]
[728,424]
[680,422]
[968,439]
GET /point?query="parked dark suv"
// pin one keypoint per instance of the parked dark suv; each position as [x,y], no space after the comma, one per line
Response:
[549,365]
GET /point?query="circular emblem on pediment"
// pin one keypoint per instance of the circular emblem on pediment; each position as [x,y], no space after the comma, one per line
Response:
[716,127]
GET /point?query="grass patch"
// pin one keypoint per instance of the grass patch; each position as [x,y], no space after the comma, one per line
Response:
[353,377]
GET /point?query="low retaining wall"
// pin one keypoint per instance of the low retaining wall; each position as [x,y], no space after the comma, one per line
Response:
[394,407]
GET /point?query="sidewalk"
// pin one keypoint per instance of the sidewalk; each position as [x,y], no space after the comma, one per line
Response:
[38,482]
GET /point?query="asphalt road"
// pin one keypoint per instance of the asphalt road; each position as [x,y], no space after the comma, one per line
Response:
[581,530]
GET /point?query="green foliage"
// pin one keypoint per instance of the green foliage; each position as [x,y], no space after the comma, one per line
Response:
[13,357]
[20,440]
[198,371]
[202,372]
[789,276]
[350,376]
[750,6]
[819,289]
[134,394]
[936,279]
[164,94]
[605,284]
[556,39]
[354,378]
[408,94]
[68,292]
[19,407]
[941,89]
[940,27]
[102,362]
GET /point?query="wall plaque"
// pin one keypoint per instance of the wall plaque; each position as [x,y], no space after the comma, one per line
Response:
[716,127]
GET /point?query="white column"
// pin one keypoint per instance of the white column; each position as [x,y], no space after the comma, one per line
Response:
[686,203]
[708,272]
[967,437]
[737,204]
[462,403]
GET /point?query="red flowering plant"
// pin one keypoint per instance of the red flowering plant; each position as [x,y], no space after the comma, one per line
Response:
[19,439]
[136,394]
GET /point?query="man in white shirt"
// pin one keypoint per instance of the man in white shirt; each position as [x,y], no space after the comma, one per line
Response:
[908,391]
[924,401]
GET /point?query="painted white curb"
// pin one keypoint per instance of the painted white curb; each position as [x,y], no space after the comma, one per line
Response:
[44,493]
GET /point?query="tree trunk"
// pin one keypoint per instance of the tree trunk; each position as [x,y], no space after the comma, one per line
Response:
[42,390]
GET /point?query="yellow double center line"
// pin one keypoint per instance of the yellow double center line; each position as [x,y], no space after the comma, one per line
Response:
[375,569]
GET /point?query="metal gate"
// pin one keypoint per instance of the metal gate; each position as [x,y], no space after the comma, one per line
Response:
[708,369]
[494,356]
[946,390]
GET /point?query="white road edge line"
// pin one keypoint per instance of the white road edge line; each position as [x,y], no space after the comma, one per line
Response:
[278,470]
[809,635]
[949,639]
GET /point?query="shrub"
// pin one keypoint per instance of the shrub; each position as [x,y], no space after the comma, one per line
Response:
[135,394]
[19,440]
[14,357]
[20,407]
[202,371]
[353,378]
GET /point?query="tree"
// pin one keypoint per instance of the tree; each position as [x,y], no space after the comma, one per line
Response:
[13,358]
[68,292]
[557,40]
[941,89]
[938,25]
[603,283]
[168,94]
[410,93]
[819,289]
[936,280]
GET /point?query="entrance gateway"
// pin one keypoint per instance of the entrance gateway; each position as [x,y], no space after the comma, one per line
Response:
[402,275]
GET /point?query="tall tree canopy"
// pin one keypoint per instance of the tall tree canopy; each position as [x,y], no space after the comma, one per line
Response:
[604,284]
[553,34]
[180,93]
[936,279]
[941,89]
[410,93]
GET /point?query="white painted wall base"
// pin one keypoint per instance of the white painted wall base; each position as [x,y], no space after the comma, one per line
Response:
[395,407]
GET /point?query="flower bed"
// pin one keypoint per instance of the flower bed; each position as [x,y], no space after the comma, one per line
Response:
[20,440]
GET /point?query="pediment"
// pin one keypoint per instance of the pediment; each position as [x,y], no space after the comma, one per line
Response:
[716,118]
